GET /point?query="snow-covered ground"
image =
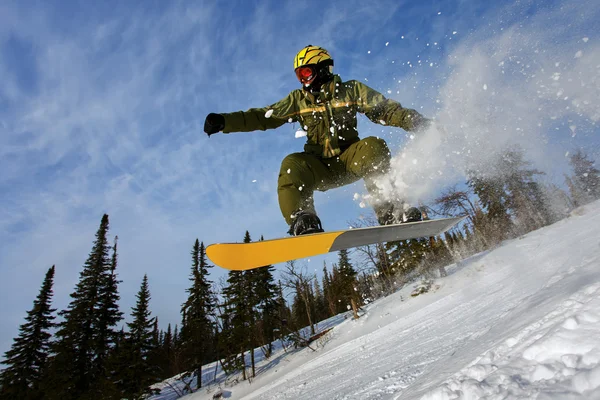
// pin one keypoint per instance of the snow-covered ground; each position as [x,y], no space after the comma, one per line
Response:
[519,322]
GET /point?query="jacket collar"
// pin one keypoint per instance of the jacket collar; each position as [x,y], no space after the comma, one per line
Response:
[327,92]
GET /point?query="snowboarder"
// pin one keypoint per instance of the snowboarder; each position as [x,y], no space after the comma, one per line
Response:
[333,155]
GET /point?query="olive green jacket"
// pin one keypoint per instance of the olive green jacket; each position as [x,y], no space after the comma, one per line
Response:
[329,118]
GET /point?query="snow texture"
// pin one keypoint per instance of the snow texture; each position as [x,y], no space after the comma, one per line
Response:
[519,322]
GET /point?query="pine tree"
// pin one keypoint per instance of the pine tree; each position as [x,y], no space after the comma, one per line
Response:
[585,185]
[328,292]
[348,278]
[364,284]
[167,354]
[178,358]
[87,330]
[155,335]
[117,367]
[336,289]
[26,360]
[109,317]
[408,255]
[340,287]
[176,338]
[559,202]
[496,224]
[301,308]
[267,306]
[524,194]
[442,252]
[198,329]
[321,309]
[236,322]
[385,266]
[155,359]
[250,315]
[508,191]
[284,314]
[252,300]
[139,374]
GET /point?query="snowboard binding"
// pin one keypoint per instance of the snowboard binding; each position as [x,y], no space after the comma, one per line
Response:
[413,214]
[389,216]
[305,222]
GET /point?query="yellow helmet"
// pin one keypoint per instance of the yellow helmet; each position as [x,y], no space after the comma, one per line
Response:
[314,57]
[311,55]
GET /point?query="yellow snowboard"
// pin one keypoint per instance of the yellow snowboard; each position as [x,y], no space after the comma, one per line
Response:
[244,256]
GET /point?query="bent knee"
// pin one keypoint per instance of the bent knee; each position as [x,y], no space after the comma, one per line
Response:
[376,149]
[377,145]
[296,170]
[294,166]
[292,160]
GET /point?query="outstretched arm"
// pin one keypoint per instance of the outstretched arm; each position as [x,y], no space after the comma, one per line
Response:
[264,118]
[379,109]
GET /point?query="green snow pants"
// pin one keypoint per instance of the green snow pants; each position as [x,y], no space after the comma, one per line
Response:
[303,173]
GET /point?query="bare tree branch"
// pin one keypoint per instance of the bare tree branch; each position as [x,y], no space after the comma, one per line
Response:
[299,280]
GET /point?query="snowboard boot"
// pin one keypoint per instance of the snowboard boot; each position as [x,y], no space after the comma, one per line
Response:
[305,222]
[413,214]
[388,215]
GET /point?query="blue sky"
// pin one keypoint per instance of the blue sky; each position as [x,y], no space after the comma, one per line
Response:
[102,107]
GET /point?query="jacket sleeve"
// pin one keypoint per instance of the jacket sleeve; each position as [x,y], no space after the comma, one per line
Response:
[269,117]
[386,111]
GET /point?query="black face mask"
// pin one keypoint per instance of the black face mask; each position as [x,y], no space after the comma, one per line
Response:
[323,76]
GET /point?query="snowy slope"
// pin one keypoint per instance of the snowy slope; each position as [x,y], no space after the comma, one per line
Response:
[521,321]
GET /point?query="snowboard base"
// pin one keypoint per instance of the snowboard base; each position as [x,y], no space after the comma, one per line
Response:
[244,256]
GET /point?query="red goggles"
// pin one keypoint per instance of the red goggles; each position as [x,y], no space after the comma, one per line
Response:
[306,74]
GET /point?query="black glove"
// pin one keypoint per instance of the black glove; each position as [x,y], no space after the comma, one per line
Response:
[214,123]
